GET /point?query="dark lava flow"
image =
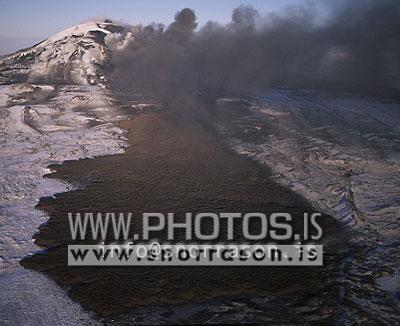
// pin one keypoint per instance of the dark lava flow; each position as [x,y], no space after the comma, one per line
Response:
[176,163]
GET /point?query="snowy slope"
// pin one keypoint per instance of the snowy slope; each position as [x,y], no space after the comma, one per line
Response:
[340,151]
[76,55]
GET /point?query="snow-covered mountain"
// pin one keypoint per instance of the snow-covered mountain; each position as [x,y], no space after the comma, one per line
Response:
[51,110]
[75,55]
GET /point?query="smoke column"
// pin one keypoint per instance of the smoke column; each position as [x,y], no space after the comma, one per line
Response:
[357,42]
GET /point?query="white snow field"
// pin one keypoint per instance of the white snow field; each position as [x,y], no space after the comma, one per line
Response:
[73,122]
[341,152]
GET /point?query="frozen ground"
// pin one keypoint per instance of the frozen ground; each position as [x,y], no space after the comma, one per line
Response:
[60,123]
[342,153]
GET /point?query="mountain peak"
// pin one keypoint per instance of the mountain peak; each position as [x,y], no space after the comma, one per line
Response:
[75,55]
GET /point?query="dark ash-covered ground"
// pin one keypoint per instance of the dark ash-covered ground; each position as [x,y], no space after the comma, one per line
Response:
[176,163]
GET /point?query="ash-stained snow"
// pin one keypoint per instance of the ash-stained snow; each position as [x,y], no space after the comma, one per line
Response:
[55,107]
[41,125]
[341,152]
[74,123]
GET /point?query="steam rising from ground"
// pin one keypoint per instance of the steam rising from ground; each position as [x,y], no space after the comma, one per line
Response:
[358,42]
